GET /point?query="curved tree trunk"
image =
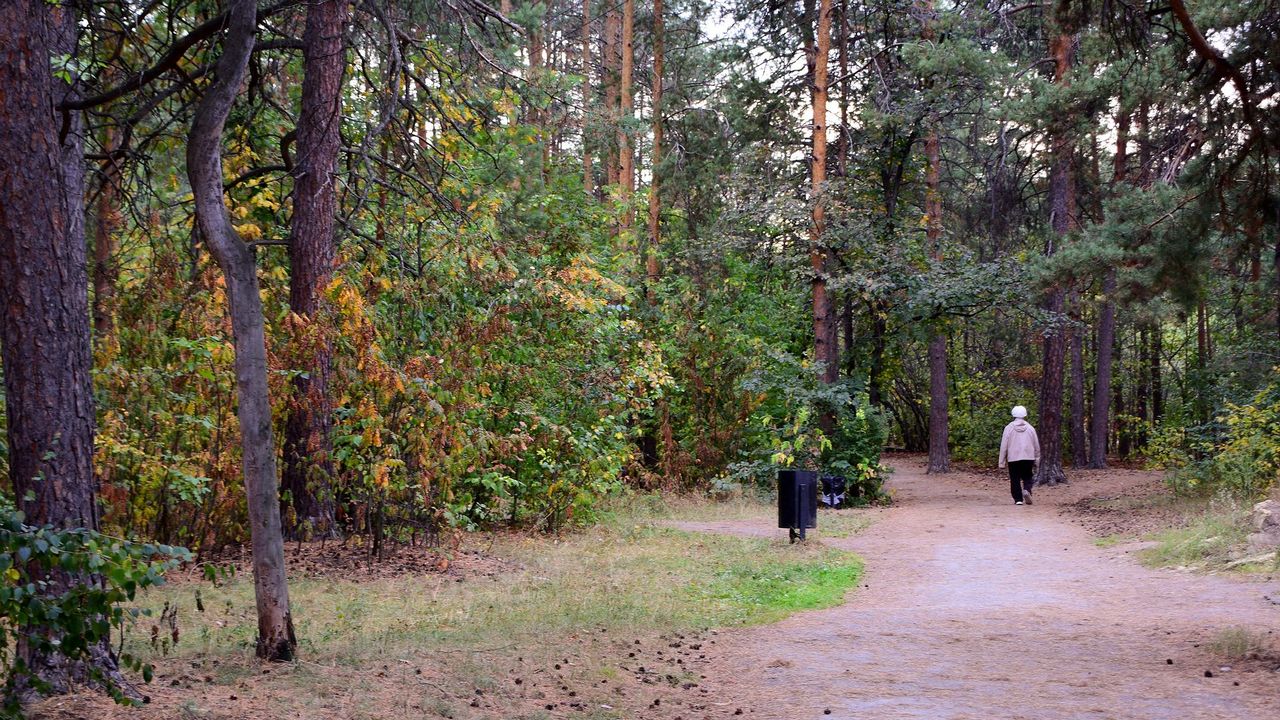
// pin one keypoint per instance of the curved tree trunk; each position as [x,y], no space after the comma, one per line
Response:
[204,169]
[308,443]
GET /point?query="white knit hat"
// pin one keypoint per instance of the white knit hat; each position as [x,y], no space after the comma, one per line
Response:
[1019,411]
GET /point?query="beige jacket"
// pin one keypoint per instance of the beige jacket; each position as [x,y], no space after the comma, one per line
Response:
[1020,442]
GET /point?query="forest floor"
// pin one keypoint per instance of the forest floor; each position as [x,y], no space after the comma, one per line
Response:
[969,607]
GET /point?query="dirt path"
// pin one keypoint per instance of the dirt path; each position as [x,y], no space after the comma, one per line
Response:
[976,608]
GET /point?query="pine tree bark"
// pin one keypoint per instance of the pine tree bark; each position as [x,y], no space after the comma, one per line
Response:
[276,639]
[1062,216]
[1100,420]
[588,173]
[106,223]
[1079,446]
[939,401]
[655,180]
[44,283]
[611,70]
[626,107]
[824,326]
[308,442]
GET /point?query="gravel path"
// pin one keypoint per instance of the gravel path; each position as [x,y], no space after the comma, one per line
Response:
[975,608]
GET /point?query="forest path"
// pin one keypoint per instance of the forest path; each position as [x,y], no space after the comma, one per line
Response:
[972,607]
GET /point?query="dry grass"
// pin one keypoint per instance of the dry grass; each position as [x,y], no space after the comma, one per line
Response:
[1208,537]
[592,623]
[1240,643]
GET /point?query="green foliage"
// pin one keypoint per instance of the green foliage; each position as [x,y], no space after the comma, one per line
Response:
[786,429]
[1208,539]
[979,412]
[1244,462]
[64,593]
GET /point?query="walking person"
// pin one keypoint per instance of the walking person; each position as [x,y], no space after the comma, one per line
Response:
[1020,451]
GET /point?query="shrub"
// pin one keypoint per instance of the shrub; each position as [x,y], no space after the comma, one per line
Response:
[50,615]
[786,433]
[1243,462]
[979,411]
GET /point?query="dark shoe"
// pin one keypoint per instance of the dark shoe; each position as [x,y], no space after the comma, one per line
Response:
[1026,496]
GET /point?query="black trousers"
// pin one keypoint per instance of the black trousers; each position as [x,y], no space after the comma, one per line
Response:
[1020,477]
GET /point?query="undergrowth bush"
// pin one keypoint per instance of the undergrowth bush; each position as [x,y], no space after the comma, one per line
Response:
[786,430]
[980,407]
[1240,459]
[62,592]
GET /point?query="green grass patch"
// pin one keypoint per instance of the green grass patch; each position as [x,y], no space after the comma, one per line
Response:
[1107,541]
[1207,541]
[622,575]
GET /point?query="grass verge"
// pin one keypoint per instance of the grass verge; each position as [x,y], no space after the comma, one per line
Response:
[599,623]
[1207,540]
[633,576]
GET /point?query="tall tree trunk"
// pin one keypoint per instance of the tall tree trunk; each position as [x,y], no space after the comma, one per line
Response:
[626,106]
[826,352]
[655,179]
[44,328]
[588,174]
[1143,390]
[611,70]
[308,442]
[842,142]
[276,639]
[106,223]
[1157,385]
[875,373]
[1100,421]
[1079,446]
[939,401]
[850,366]
[537,116]
[1062,212]
[1124,432]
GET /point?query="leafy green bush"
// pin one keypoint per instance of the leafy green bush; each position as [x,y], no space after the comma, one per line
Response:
[979,411]
[786,431]
[63,593]
[1241,457]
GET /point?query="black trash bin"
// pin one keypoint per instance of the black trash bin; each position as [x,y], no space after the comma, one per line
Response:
[797,501]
